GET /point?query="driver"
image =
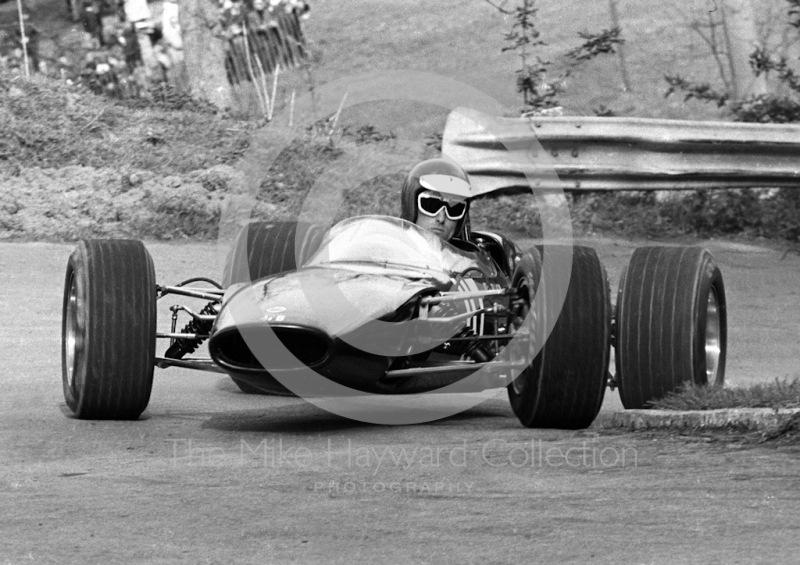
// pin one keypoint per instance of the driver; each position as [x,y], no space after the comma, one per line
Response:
[435,196]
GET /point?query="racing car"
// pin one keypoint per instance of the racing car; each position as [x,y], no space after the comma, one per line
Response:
[377,305]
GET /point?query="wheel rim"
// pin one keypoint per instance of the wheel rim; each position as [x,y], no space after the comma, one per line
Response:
[71,344]
[517,384]
[713,343]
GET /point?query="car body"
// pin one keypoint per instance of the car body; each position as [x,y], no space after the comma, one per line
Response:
[367,311]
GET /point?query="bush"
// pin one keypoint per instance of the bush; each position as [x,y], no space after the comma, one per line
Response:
[768,213]
[773,213]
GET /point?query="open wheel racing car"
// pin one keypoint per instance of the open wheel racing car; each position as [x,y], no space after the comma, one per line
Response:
[378,305]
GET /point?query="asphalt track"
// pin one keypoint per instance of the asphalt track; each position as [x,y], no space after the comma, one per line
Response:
[210,475]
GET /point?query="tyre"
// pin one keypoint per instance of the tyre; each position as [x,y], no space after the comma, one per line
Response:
[564,385]
[671,323]
[108,340]
[262,249]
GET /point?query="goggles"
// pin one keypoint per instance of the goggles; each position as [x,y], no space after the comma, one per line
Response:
[431,205]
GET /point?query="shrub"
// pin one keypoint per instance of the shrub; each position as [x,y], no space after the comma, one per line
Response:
[769,213]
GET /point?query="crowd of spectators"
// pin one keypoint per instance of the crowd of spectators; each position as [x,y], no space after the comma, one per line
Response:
[111,58]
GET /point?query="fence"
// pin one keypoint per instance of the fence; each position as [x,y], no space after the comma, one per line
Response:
[591,154]
[266,42]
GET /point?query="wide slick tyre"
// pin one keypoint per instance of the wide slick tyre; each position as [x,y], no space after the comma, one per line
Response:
[671,323]
[262,249]
[564,385]
[109,330]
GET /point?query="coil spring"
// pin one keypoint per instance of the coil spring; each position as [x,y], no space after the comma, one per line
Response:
[185,346]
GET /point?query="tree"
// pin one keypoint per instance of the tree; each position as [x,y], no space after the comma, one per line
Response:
[623,65]
[739,25]
[204,49]
[540,91]
[782,105]
[730,30]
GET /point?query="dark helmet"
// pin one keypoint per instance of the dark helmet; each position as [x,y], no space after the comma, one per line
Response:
[412,188]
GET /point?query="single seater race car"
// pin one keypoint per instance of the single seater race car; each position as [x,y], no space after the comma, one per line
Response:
[377,305]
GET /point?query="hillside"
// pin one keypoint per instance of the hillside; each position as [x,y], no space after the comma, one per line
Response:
[73,164]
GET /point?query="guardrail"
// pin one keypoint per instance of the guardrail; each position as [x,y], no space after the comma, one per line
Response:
[590,154]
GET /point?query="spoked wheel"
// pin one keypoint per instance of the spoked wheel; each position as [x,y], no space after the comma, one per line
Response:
[564,385]
[671,323]
[109,330]
[262,249]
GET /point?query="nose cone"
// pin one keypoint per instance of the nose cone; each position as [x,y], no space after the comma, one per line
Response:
[305,312]
[256,348]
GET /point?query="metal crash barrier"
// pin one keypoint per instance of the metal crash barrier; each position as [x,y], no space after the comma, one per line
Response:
[591,154]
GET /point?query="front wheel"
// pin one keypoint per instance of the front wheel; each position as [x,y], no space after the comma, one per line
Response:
[564,385]
[108,340]
[671,323]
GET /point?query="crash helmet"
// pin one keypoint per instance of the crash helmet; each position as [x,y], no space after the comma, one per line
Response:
[440,175]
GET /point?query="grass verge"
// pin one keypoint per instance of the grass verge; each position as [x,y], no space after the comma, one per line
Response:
[778,394]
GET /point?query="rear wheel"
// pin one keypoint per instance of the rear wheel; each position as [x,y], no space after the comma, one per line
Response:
[109,329]
[262,249]
[671,323]
[564,385]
